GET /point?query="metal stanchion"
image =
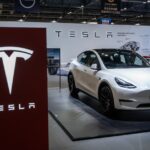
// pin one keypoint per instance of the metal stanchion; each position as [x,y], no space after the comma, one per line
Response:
[59,72]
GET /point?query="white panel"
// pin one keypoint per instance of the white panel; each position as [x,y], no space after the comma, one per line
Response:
[74,38]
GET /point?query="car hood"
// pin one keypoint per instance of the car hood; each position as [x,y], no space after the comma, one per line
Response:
[137,76]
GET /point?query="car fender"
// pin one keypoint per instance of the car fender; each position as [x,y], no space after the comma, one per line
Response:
[105,81]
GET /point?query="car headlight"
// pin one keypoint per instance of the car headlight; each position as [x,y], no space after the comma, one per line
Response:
[124,84]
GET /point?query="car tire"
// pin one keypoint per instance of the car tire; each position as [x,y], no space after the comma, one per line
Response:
[72,88]
[106,100]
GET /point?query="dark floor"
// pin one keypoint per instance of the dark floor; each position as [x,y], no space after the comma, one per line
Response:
[59,140]
[80,121]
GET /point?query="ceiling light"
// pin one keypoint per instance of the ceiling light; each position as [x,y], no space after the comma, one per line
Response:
[140,16]
[20,20]
[92,22]
[53,21]
[84,22]
[94,18]
[124,9]
[69,13]
[137,24]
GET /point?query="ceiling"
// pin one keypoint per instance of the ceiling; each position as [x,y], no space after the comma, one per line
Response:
[78,11]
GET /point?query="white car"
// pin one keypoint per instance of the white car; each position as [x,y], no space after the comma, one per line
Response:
[119,79]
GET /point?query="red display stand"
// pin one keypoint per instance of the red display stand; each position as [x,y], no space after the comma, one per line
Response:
[23,89]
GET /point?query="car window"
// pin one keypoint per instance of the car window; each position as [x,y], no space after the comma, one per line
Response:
[122,59]
[88,58]
[82,58]
[138,61]
[92,59]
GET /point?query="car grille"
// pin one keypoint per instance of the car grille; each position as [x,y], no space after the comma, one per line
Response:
[146,105]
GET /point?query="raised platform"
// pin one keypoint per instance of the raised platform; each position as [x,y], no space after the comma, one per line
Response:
[81,119]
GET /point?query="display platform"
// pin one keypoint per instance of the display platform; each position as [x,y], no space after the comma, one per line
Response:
[82,122]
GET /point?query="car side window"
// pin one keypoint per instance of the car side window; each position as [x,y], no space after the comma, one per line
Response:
[92,59]
[88,58]
[138,61]
[82,58]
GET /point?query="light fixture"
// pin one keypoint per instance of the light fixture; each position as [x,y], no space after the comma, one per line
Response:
[94,18]
[69,13]
[137,24]
[82,6]
[20,20]
[140,16]
[84,22]
[92,22]
[53,21]
[124,8]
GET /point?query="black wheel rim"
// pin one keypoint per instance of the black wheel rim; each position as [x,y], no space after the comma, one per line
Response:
[105,98]
[71,83]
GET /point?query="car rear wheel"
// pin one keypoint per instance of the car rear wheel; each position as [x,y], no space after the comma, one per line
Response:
[106,100]
[72,88]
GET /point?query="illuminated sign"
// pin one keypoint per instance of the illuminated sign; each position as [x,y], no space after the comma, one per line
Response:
[110,6]
[9,61]
[23,89]
[27,3]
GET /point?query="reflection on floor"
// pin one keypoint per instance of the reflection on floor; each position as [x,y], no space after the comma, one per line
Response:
[58,140]
[56,81]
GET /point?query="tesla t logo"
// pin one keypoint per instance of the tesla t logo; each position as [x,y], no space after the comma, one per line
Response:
[9,56]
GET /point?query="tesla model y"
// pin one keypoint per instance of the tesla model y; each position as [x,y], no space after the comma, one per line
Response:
[119,79]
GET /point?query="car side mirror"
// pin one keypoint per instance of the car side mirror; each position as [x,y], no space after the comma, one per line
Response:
[94,67]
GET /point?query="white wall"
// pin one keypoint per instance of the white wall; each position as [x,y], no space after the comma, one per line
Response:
[86,36]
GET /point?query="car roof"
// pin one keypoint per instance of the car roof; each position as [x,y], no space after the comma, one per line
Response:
[112,50]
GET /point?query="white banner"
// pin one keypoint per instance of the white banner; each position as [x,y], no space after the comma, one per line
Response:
[74,38]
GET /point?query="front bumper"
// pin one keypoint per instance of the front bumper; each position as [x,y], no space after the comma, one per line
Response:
[131,98]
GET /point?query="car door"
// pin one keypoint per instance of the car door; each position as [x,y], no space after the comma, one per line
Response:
[91,80]
[79,70]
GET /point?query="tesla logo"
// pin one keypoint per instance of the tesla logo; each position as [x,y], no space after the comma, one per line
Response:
[27,3]
[9,56]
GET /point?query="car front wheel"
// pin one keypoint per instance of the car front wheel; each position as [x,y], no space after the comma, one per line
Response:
[72,88]
[106,100]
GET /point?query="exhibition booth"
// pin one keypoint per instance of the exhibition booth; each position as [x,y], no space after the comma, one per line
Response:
[44,86]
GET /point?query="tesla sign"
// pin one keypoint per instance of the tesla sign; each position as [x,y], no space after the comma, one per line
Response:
[23,89]
[27,3]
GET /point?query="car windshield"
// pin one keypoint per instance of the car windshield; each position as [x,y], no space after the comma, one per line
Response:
[122,59]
